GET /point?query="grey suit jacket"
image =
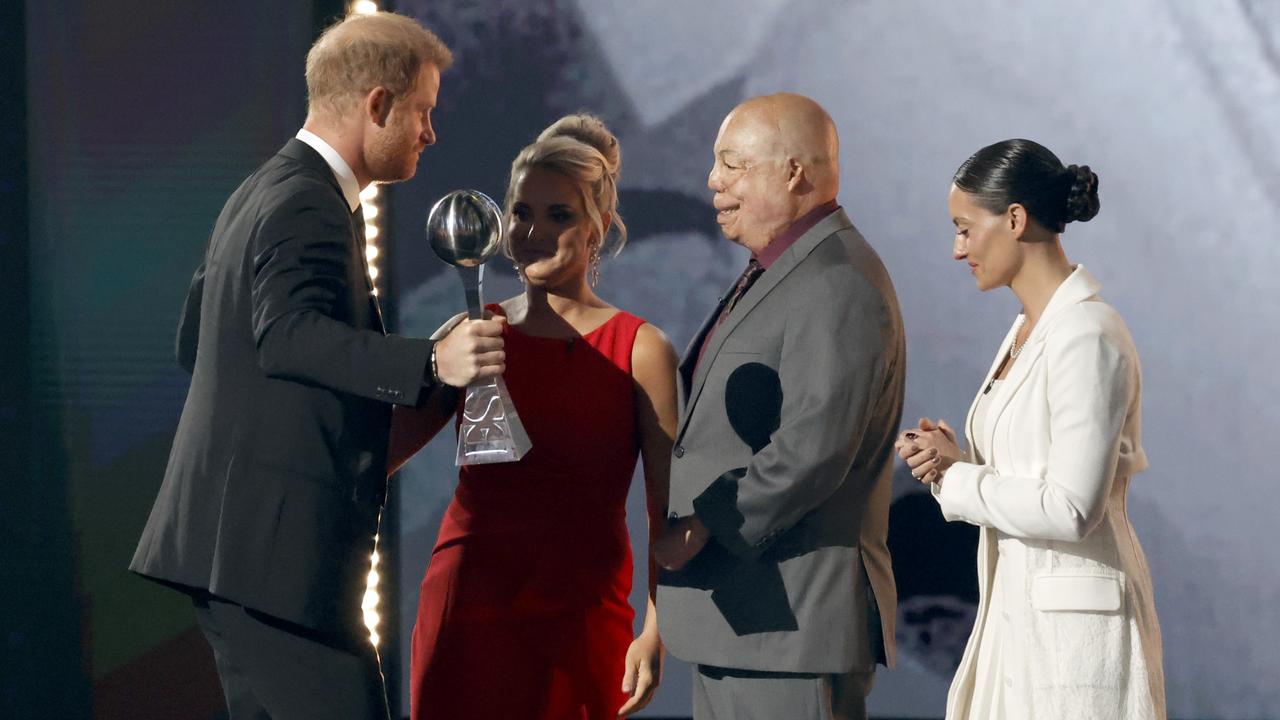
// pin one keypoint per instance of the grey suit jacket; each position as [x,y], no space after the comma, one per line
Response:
[784,451]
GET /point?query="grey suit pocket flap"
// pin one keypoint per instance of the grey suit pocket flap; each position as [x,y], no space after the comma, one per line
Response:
[1062,592]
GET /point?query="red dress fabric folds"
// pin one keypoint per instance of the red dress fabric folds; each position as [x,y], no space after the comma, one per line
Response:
[524,609]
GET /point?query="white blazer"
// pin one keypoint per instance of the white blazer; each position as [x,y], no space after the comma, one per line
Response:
[1062,435]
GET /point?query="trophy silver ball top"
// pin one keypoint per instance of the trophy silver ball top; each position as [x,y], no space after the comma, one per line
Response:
[464,228]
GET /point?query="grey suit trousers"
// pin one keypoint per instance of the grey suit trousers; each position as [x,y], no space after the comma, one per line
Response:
[729,694]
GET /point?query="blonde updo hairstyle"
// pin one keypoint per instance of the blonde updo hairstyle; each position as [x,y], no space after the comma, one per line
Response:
[582,149]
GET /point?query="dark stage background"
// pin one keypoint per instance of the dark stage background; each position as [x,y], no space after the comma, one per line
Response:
[126,127]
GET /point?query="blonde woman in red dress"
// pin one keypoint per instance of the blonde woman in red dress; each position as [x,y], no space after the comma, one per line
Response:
[524,609]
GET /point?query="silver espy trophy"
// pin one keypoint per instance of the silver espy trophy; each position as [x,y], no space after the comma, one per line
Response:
[465,229]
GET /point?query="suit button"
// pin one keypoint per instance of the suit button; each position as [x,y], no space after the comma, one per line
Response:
[679,451]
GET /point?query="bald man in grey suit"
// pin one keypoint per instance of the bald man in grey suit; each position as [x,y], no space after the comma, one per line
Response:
[777,581]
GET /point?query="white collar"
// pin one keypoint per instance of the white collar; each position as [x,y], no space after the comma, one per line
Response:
[1079,286]
[341,170]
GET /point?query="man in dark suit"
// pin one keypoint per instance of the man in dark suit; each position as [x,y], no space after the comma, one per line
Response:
[779,586]
[277,476]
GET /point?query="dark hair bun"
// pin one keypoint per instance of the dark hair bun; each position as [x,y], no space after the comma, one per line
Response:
[1027,173]
[1082,198]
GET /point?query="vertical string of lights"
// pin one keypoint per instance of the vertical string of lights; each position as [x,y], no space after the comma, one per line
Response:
[370,203]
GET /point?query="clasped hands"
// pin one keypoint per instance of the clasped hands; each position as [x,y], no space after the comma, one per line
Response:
[929,450]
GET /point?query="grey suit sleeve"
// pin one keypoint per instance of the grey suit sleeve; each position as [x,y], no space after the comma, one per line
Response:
[301,268]
[832,372]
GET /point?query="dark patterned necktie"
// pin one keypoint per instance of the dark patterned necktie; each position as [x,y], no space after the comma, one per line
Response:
[754,270]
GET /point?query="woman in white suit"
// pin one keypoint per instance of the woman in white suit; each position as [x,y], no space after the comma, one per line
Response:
[1066,624]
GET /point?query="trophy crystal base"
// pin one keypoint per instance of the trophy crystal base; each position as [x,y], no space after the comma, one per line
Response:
[490,431]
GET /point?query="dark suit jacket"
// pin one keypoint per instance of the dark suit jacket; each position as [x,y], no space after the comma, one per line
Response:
[278,470]
[784,451]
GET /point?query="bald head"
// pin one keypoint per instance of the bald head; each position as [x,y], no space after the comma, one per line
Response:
[794,127]
[777,158]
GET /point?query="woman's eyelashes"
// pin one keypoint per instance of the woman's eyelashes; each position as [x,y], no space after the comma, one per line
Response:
[523,214]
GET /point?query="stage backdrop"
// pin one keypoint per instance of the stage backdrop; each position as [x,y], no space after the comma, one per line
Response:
[142,119]
[1174,103]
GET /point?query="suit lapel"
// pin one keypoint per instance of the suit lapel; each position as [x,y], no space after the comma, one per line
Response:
[690,361]
[1017,375]
[771,278]
[1078,287]
[969,430]
[357,233]
[307,156]
[690,365]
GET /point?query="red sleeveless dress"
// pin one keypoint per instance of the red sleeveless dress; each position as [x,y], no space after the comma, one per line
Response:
[523,611]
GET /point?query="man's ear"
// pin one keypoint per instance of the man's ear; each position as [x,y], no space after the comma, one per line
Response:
[797,176]
[377,106]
